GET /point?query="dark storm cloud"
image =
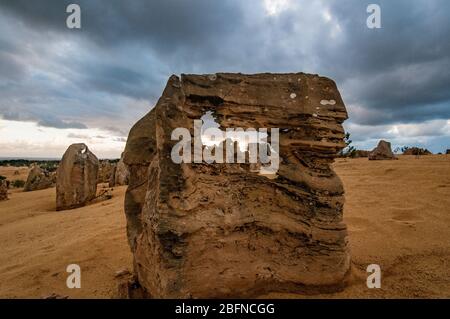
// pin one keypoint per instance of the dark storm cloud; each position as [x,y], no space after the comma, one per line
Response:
[100,75]
[400,72]
[57,123]
[113,79]
[412,32]
[45,120]
[124,48]
[166,25]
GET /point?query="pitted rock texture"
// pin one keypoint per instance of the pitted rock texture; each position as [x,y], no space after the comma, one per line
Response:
[38,179]
[112,178]
[3,190]
[223,230]
[76,182]
[383,151]
[121,174]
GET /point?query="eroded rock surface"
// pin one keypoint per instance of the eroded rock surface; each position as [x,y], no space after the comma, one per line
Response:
[112,178]
[383,151]
[39,178]
[76,181]
[3,190]
[223,230]
[121,173]
[417,151]
[105,171]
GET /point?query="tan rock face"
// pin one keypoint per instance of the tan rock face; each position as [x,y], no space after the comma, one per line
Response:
[112,178]
[223,230]
[39,178]
[105,171]
[76,181]
[3,190]
[382,152]
[122,174]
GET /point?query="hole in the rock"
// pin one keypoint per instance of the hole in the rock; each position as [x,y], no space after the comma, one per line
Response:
[209,121]
[200,99]
[209,127]
[212,135]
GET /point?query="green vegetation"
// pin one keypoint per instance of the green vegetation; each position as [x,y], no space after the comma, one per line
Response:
[349,150]
[50,166]
[24,162]
[18,183]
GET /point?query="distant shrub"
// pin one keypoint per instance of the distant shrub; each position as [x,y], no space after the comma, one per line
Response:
[47,164]
[352,152]
[2,177]
[349,150]
[18,183]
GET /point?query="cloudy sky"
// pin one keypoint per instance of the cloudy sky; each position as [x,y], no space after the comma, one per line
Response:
[59,86]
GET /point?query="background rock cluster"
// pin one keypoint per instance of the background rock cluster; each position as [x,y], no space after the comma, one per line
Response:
[38,179]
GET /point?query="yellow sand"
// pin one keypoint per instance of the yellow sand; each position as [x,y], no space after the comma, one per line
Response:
[8,172]
[397,212]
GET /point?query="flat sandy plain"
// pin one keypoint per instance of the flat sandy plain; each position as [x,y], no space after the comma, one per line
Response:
[397,212]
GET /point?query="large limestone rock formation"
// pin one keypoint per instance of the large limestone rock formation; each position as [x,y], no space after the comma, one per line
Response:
[447,152]
[224,230]
[76,181]
[383,151]
[39,178]
[122,174]
[3,190]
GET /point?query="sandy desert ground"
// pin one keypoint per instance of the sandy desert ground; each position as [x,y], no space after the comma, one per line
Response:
[397,212]
[9,172]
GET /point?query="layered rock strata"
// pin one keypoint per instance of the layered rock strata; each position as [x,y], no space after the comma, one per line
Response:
[201,230]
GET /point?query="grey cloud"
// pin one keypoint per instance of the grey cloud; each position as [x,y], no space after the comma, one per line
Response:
[120,139]
[45,120]
[166,25]
[126,50]
[57,123]
[116,131]
[78,136]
